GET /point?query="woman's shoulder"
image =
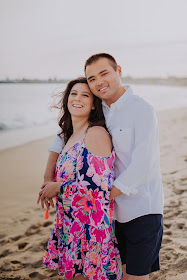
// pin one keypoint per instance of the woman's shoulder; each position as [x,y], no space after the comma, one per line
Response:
[98,142]
[98,134]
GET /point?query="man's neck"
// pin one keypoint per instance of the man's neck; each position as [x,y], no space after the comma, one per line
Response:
[118,94]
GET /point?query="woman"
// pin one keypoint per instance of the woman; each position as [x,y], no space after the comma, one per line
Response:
[82,242]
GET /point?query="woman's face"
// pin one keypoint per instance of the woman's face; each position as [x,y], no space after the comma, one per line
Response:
[80,101]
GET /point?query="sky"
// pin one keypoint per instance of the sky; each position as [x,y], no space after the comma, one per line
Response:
[53,38]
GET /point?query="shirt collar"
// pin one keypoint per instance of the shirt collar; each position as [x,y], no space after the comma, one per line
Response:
[121,100]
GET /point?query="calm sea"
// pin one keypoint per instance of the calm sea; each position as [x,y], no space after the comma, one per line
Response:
[24,113]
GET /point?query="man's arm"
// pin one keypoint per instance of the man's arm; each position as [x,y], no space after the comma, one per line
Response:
[50,168]
[54,151]
[144,155]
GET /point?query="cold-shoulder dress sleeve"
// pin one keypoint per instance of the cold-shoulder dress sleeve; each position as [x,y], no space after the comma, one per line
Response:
[86,240]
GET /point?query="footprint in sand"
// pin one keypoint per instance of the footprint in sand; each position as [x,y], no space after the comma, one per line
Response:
[9,240]
[173,172]
[22,245]
[37,264]
[15,238]
[181,264]
[180,225]
[48,223]
[166,240]
[33,229]
[167,225]
[167,232]
[13,277]
[4,253]
[39,246]
[172,213]
[183,183]
[178,191]
[36,275]
[11,266]
[36,228]
[5,241]
[24,219]
[183,248]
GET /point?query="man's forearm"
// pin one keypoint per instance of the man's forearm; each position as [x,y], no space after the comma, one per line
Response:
[50,168]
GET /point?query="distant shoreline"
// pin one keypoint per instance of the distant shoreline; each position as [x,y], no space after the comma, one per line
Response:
[169,81]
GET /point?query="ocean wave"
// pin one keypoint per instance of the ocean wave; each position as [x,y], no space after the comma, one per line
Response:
[24,123]
[4,126]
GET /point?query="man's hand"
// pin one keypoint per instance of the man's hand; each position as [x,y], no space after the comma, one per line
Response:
[114,192]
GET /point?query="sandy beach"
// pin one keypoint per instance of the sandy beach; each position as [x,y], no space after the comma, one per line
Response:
[24,232]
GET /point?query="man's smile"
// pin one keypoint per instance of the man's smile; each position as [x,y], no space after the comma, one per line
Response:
[102,89]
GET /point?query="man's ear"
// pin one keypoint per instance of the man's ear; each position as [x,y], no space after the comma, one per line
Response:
[119,70]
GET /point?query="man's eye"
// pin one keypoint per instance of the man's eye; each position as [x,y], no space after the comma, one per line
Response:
[104,74]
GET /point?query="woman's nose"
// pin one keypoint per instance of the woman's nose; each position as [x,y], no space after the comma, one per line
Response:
[77,97]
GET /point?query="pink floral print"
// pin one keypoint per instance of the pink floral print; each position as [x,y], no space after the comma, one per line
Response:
[82,240]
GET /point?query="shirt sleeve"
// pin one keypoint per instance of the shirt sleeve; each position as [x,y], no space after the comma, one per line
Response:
[58,144]
[145,153]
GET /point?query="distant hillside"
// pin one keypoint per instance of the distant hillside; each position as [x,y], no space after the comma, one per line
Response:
[171,81]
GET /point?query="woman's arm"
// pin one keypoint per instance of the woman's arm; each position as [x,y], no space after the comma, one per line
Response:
[98,142]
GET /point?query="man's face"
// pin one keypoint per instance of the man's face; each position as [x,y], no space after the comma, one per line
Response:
[103,80]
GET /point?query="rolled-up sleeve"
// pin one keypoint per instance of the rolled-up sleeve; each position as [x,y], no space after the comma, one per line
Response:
[58,144]
[145,153]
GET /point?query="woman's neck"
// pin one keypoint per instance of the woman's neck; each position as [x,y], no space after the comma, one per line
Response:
[79,125]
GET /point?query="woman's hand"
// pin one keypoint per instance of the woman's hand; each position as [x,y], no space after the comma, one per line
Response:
[114,192]
[49,190]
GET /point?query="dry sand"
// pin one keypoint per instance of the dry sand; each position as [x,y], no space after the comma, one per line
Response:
[24,232]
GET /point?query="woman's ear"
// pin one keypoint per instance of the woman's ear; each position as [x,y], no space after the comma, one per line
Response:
[93,107]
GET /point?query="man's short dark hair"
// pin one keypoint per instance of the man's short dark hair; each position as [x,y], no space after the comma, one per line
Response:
[97,56]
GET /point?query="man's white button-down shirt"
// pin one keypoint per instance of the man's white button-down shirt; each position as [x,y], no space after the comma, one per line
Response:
[132,123]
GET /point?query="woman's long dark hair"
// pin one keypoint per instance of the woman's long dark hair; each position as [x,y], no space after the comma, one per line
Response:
[96,116]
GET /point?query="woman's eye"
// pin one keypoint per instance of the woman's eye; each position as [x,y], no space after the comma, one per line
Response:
[86,95]
[73,93]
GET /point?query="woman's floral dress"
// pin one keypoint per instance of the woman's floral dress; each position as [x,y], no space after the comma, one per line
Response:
[82,240]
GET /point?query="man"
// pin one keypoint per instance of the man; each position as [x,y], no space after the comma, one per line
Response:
[137,188]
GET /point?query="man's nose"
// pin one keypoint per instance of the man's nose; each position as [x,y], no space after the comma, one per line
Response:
[99,82]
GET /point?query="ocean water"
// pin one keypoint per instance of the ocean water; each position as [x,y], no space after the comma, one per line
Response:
[24,113]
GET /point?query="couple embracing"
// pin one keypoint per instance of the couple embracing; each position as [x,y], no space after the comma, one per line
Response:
[104,172]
